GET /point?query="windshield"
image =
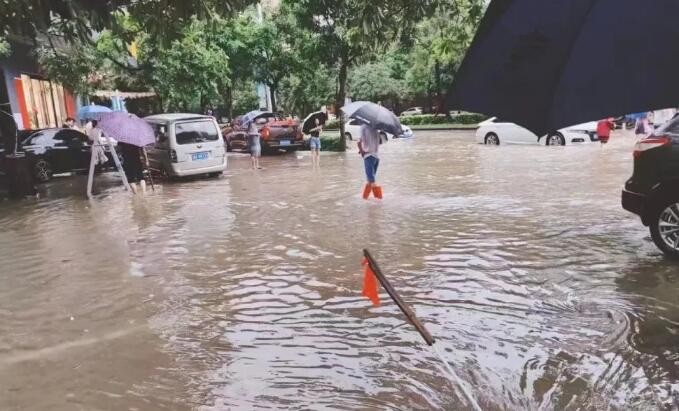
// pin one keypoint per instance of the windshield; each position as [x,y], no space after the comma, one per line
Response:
[671,127]
[196,132]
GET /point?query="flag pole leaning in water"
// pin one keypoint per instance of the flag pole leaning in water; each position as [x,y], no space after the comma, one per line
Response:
[410,314]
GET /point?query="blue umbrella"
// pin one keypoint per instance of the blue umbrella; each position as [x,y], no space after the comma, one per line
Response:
[92,112]
[549,64]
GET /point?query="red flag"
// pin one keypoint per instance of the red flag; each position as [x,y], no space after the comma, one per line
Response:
[370,284]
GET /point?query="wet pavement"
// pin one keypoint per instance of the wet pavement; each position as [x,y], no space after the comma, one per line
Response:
[244,292]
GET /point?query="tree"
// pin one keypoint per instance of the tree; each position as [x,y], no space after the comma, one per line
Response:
[191,72]
[353,29]
[307,90]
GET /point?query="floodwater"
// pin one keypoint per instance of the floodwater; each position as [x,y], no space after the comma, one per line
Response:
[243,292]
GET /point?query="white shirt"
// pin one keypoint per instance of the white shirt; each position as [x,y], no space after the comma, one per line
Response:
[370,141]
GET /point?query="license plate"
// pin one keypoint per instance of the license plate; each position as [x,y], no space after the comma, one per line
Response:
[199,156]
[284,143]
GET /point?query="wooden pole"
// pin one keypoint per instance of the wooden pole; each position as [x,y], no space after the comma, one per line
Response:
[405,308]
[148,168]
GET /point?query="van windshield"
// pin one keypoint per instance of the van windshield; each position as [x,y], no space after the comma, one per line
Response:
[196,132]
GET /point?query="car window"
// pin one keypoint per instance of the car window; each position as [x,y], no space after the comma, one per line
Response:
[159,131]
[671,127]
[42,138]
[69,137]
[196,132]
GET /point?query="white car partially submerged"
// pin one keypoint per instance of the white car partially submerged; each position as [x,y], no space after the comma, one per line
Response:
[495,132]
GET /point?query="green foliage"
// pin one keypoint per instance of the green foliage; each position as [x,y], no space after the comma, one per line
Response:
[332,124]
[74,67]
[427,119]
[191,72]
[307,90]
[332,144]
[5,49]
[245,98]
[469,118]
[375,82]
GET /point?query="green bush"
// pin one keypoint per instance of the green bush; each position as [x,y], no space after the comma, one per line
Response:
[426,119]
[332,124]
[469,118]
[331,143]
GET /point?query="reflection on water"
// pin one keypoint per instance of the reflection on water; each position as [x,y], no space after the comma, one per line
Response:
[243,292]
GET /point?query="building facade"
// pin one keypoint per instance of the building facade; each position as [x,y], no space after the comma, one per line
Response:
[33,100]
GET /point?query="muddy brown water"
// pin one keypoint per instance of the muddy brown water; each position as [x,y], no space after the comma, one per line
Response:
[244,292]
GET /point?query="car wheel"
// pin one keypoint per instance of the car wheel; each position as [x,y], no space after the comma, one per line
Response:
[383,137]
[43,170]
[492,139]
[348,136]
[555,139]
[665,228]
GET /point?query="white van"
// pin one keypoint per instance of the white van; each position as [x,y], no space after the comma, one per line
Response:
[186,145]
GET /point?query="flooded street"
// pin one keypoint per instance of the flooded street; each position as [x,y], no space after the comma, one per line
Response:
[243,292]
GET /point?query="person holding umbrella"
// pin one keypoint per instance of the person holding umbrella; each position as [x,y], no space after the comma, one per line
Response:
[254,145]
[372,117]
[368,148]
[315,143]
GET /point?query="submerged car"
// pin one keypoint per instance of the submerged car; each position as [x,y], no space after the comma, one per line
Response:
[352,131]
[653,190]
[496,132]
[58,151]
[276,132]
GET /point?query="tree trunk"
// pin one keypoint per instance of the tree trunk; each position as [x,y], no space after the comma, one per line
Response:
[437,71]
[228,102]
[341,97]
[272,89]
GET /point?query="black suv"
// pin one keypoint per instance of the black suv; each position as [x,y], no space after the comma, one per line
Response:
[653,190]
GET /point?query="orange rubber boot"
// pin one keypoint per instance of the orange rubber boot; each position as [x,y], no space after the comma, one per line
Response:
[377,192]
[366,191]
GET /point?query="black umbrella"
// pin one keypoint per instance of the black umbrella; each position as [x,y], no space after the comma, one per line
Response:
[310,121]
[550,64]
[377,116]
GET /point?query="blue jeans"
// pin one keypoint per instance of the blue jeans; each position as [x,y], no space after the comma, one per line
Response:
[315,143]
[371,163]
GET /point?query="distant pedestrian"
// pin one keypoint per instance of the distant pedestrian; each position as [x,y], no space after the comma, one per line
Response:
[368,148]
[133,166]
[604,128]
[643,127]
[96,137]
[254,145]
[315,143]
[69,123]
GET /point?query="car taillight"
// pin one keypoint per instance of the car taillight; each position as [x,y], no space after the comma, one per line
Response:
[173,156]
[265,133]
[650,143]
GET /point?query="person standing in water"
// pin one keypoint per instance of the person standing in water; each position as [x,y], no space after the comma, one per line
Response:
[315,143]
[368,147]
[603,130]
[254,145]
[133,166]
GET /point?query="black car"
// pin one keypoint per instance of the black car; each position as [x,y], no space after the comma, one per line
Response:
[653,190]
[56,151]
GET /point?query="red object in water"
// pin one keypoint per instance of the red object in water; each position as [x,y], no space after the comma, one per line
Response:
[603,129]
[370,288]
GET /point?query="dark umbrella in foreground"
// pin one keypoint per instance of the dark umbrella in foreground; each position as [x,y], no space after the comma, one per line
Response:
[550,64]
[377,116]
[310,121]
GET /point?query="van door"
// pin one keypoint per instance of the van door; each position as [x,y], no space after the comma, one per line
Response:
[198,144]
[159,152]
